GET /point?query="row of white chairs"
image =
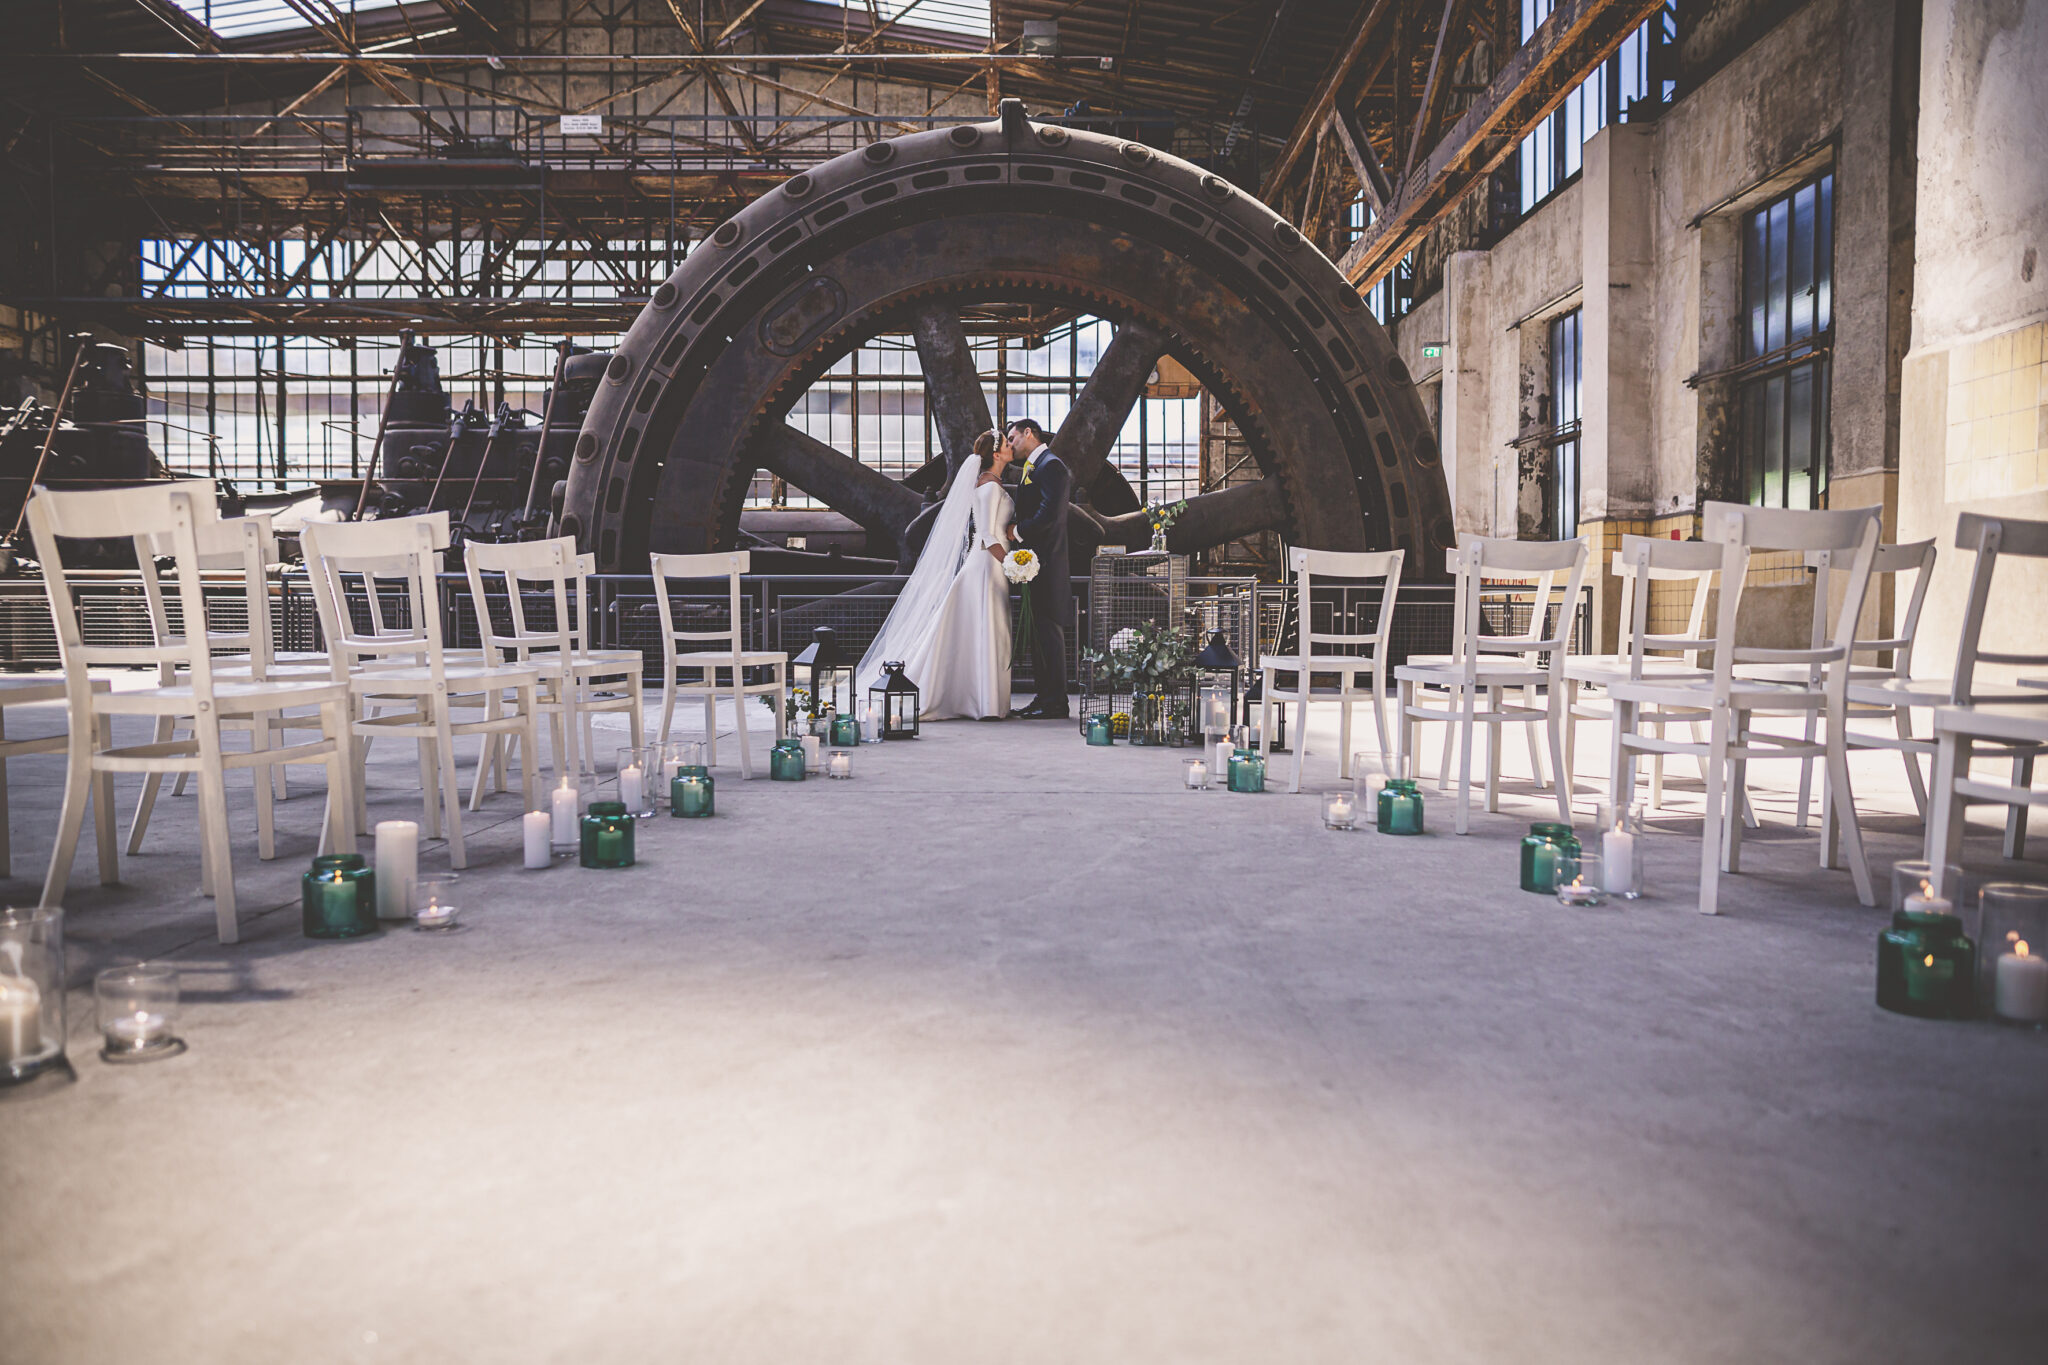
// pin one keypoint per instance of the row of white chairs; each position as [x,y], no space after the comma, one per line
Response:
[386,672]
[1697,693]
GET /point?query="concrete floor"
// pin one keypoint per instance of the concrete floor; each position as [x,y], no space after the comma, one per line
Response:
[1009,1050]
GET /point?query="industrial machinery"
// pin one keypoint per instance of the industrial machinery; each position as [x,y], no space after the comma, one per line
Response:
[914,234]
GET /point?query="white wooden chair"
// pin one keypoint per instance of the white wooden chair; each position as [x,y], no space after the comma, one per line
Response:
[39,691]
[403,661]
[1348,655]
[713,651]
[202,698]
[1692,563]
[1732,700]
[1493,665]
[576,682]
[2009,721]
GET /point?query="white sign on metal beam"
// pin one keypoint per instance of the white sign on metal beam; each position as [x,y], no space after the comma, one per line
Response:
[586,125]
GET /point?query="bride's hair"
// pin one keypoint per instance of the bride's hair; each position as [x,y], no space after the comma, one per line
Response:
[985,449]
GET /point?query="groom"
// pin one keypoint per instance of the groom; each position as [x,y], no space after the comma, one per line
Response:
[1042,494]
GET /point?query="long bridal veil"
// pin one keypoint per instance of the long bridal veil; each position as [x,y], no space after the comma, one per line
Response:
[916,613]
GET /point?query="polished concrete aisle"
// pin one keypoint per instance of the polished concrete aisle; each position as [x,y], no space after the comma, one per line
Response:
[1009,1050]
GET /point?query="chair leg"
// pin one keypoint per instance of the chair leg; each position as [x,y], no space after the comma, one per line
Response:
[1496,732]
[266,793]
[103,812]
[1656,729]
[430,783]
[1716,814]
[450,785]
[2016,813]
[711,727]
[668,702]
[739,711]
[1554,723]
[341,803]
[1404,728]
[1805,774]
[77,790]
[1843,798]
[1468,699]
[213,828]
[1379,710]
[6,837]
[1944,824]
[1902,726]
[637,719]
[1443,770]
[1343,726]
[152,783]
[1529,733]
[1571,737]
[529,770]
[1738,783]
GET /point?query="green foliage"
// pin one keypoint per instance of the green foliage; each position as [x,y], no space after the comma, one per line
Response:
[1150,656]
[1166,514]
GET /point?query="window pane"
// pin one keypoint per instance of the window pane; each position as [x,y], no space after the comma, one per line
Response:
[1774,441]
[1799,438]
[1824,255]
[1774,276]
[1799,279]
[1752,445]
[1754,258]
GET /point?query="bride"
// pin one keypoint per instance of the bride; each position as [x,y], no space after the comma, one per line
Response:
[950,626]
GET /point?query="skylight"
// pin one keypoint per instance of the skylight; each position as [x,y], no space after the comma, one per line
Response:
[948,16]
[246,18]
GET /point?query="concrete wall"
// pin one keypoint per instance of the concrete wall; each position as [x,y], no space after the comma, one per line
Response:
[1974,408]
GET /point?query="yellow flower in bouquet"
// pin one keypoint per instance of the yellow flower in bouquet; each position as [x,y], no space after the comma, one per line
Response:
[1020,566]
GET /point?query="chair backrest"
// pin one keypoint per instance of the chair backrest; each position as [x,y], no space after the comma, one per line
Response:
[1914,557]
[402,549]
[244,546]
[1356,567]
[1740,530]
[1990,537]
[726,564]
[171,510]
[1481,562]
[1643,560]
[550,564]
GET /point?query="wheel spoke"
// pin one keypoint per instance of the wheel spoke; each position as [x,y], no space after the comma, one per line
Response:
[1228,514]
[873,499]
[952,384]
[1098,415]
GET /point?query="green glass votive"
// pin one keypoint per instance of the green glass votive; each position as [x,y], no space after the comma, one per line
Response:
[338,897]
[607,835]
[845,730]
[1926,966]
[692,795]
[786,760]
[1543,848]
[1098,729]
[1399,807]
[1247,771]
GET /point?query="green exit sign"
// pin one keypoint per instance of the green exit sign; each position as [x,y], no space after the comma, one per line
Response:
[1433,352]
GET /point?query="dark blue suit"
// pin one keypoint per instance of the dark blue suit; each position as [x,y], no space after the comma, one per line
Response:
[1043,493]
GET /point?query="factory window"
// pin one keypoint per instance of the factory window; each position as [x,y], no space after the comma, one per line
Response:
[1627,86]
[1393,294]
[1788,330]
[1561,437]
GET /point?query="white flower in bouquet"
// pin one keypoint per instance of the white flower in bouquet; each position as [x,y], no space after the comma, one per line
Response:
[1020,566]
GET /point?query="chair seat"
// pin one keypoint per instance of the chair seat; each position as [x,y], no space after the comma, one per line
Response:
[750,658]
[1800,673]
[1891,691]
[1744,694]
[1602,669]
[1317,663]
[233,696]
[29,691]
[1449,674]
[2023,723]
[460,678]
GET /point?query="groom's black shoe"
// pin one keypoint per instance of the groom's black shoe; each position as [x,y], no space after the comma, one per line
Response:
[1039,711]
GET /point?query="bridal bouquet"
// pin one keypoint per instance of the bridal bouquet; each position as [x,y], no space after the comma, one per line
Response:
[1020,566]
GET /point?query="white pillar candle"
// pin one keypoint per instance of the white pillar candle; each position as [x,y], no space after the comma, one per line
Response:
[21,1019]
[842,765]
[1618,853]
[534,827]
[813,752]
[1198,775]
[563,807]
[2020,990]
[632,787]
[1224,749]
[398,867]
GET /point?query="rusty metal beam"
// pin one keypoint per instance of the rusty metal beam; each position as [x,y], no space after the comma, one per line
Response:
[1379,192]
[1324,99]
[1578,35]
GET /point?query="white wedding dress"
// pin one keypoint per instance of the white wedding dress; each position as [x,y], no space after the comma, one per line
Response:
[950,626]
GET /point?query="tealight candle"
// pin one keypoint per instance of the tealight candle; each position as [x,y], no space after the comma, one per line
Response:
[1340,810]
[562,806]
[533,828]
[2020,991]
[437,907]
[1580,880]
[1927,903]
[841,764]
[1197,775]
[137,1012]
[398,864]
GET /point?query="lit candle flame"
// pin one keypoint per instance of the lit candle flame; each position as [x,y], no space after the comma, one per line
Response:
[2020,949]
[1927,961]
[1925,889]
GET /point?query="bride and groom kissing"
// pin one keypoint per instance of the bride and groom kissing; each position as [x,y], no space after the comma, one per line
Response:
[950,626]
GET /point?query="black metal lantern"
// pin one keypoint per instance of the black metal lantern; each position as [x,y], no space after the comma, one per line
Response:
[1253,696]
[895,702]
[1216,662]
[828,668]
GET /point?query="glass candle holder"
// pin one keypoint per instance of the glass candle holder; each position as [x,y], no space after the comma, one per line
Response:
[1546,843]
[608,835]
[31,991]
[786,760]
[1914,880]
[2012,969]
[1926,964]
[338,897]
[839,764]
[870,724]
[138,1012]
[845,729]
[1247,771]
[1398,808]
[1581,879]
[569,798]
[1195,774]
[1098,730]
[637,780]
[1340,810]
[1621,849]
[692,794]
[438,904]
